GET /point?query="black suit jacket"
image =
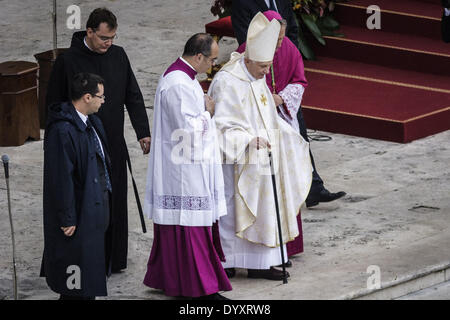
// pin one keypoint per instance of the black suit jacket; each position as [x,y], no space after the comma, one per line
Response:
[446,22]
[446,28]
[243,12]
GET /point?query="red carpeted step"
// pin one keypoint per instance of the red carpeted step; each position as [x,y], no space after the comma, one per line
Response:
[388,49]
[376,73]
[400,16]
[371,98]
[411,7]
[391,84]
[438,2]
[408,42]
[374,110]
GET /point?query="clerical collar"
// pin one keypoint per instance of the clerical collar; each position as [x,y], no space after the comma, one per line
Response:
[85,43]
[182,65]
[181,58]
[252,78]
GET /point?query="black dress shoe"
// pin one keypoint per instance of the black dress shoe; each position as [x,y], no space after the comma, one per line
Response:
[323,196]
[115,271]
[214,296]
[269,274]
[287,264]
[231,272]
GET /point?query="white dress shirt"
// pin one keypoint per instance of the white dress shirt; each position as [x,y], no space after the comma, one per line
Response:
[84,119]
[274,2]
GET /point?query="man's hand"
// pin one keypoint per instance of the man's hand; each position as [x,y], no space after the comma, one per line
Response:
[209,105]
[260,143]
[145,144]
[68,231]
[278,99]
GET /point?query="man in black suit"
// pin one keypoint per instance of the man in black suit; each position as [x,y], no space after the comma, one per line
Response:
[446,21]
[243,12]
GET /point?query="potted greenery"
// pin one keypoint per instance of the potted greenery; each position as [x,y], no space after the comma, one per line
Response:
[314,17]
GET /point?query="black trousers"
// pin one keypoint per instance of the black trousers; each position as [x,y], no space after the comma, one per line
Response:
[445,25]
[317,182]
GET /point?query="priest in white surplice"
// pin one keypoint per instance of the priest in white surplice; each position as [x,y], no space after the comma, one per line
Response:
[185,187]
[248,126]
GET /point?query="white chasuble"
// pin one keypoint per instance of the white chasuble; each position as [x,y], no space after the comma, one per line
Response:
[184,180]
[245,109]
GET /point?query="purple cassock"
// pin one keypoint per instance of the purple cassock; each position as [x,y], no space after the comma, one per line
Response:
[288,69]
[186,260]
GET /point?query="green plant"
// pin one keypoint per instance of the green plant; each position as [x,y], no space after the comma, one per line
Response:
[312,16]
[315,17]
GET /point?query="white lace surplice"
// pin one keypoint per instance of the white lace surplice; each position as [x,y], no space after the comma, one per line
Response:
[184,180]
[292,96]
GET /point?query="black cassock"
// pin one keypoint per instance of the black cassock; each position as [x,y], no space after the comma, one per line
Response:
[121,88]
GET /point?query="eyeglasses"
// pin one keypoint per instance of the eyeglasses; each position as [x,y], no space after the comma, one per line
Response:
[100,97]
[106,39]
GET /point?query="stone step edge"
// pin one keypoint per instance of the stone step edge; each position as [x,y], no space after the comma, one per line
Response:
[403,285]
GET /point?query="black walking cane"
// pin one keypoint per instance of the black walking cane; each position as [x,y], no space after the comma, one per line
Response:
[278,218]
[5,160]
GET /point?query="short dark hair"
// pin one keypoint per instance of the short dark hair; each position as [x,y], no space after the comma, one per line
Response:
[100,15]
[198,43]
[83,83]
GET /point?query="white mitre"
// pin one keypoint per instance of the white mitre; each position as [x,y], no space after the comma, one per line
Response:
[262,38]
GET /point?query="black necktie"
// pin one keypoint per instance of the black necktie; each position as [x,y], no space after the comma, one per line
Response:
[99,151]
[272,5]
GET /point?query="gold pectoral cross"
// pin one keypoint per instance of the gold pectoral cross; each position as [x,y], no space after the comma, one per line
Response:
[263,99]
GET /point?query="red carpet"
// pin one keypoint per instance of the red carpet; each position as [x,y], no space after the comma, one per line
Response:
[372,109]
[373,99]
[410,52]
[376,72]
[432,9]
[401,16]
[390,84]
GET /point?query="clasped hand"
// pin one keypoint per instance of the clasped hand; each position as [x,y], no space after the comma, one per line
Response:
[260,143]
[68,231]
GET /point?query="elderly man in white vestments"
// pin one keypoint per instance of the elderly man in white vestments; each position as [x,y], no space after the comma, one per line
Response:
[185,187]
[248,126]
